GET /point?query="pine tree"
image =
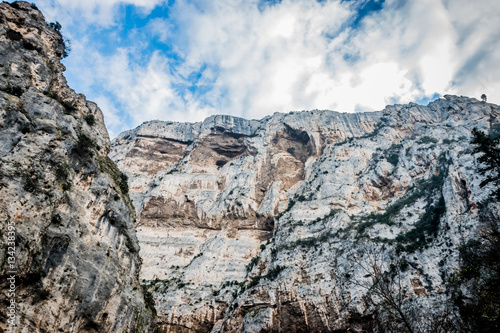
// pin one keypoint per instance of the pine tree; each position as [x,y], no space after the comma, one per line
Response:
[489,148]
[479,275]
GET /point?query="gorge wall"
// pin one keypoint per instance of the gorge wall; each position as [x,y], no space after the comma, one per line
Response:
[312,221]
[286,223]
[63,202]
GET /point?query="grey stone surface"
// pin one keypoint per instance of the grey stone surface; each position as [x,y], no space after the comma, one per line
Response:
[294,193]
[76,255]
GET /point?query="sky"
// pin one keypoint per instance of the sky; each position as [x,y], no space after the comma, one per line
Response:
[184,60]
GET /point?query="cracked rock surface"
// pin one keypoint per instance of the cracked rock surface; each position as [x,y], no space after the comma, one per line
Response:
[271,225]
[77,258]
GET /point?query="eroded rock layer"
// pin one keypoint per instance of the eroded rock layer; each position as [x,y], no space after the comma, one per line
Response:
[277,224]
[76,252]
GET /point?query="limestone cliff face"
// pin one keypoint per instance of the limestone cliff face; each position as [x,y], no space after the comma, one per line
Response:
[77,259]
[280,224]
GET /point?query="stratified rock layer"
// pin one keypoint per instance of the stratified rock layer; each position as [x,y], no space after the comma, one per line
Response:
[76,251]
[271,225]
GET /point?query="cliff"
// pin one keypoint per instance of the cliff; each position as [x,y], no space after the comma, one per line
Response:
[287,223]
[67,231]
[312,221]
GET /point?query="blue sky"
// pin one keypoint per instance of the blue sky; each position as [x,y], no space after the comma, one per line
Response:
[184,60]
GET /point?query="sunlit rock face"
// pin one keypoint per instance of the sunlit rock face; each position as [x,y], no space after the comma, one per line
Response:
[271,225]
[76,251]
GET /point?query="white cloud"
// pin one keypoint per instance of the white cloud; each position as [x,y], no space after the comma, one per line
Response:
[101,12]
[478,54]
[111,115]
[264,59]
[295,55]
[160,28]
[142,93]
[291,56]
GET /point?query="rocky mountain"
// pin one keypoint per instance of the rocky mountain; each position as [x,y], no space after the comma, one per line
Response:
[69,253]
[312,221]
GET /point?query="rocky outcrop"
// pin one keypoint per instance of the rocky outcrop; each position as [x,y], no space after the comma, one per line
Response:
[63,202]
[284,224]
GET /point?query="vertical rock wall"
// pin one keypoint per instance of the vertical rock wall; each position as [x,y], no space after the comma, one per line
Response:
[255,226]
[76,252]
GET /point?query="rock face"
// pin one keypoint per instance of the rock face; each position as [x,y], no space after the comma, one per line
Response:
[285,224]
[76,251]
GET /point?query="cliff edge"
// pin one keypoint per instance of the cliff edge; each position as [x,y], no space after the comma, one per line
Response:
[67,233]
[289,223]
